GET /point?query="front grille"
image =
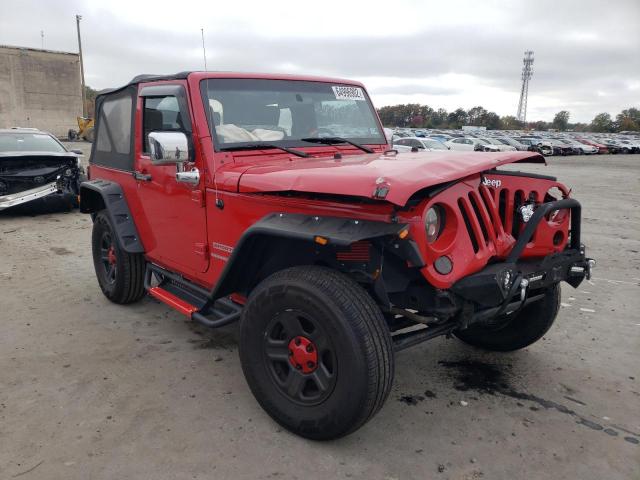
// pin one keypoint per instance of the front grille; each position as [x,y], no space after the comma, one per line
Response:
[481,218]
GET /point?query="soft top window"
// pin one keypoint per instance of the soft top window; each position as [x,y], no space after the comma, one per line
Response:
[113,146]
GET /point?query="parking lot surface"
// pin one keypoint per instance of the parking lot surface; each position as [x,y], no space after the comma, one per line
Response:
[93,390]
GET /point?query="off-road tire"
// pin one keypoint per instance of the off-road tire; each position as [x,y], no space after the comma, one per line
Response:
[127,283]
[357,335]
[526,328]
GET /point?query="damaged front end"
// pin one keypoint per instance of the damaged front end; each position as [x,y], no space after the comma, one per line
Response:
[26,177]
[501,241]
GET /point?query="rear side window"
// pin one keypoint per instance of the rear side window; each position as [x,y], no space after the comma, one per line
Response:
[113,146]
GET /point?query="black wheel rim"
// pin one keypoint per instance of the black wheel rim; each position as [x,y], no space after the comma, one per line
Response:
[300,357]
[108,257]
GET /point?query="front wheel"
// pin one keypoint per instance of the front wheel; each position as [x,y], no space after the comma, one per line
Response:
[120,274]
[316,351]
[525,328]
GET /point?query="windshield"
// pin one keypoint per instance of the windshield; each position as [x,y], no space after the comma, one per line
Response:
[283,112]
[29,142]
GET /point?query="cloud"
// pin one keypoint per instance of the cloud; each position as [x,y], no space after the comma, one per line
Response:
[411,52]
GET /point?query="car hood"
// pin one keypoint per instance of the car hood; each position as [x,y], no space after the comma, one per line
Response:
[358,175]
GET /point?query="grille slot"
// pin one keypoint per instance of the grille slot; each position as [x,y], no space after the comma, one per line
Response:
[467,222]
[479,217]
[518,201]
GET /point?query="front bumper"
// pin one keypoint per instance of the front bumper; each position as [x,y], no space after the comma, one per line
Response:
[7,201]
[495,289]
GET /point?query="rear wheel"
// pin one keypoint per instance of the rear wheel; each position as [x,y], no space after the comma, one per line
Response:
[316,352]
[525,328]
[120,274]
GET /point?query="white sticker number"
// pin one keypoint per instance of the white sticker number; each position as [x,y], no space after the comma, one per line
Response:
[348,93]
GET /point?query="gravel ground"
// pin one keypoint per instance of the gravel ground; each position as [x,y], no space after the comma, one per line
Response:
[93,390]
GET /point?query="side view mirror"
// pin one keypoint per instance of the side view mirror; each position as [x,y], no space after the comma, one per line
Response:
[168,148]
[79,152]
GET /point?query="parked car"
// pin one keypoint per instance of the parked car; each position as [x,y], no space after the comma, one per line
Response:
[513,142]
[601,148]
[471,145]
[537,145]
[559,147]
[415,143]
[332,253]
[579,148]
[501,146]
[35,165]
[629,146]
[441,137]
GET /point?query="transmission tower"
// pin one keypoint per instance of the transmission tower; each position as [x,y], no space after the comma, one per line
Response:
[527,71]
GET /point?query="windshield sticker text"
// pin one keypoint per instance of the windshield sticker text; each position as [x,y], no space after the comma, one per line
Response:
[348,93]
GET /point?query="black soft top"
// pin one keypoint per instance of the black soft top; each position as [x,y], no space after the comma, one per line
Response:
[146,77]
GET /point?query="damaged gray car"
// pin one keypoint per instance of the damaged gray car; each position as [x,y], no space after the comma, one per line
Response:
[35,166]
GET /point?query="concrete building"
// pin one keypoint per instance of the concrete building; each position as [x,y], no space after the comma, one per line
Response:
[39,88]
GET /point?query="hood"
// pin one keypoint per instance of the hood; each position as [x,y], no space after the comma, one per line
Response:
[358,175]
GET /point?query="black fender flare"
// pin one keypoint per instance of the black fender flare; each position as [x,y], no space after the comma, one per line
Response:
[96,195]
[335,231]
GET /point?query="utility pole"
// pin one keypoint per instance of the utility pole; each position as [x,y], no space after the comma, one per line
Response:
[527,72]
[42,38]
[84,106]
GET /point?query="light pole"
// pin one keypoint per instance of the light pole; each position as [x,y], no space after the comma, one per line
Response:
[84,106]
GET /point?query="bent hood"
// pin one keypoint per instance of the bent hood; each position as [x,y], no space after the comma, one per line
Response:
[359,175]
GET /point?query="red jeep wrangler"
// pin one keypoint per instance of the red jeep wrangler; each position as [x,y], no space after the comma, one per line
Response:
[276,200]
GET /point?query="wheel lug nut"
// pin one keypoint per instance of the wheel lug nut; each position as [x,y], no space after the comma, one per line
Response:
[309,348]
[311,364]
[297,341]
[298,366]
[290,353]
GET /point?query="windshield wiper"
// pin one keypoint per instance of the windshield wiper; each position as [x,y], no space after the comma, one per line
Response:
[334,140]
[265,146]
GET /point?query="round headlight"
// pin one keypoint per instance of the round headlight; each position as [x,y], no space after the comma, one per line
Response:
[434,221]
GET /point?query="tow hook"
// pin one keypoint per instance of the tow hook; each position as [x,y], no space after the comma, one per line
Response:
[590,264]
[524,283]
[586,270]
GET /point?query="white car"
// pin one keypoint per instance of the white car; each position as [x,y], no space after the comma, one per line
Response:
[502,147]
[409,143]
[471,144]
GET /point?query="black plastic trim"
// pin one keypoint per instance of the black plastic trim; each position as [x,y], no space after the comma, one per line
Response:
[338,232]
[117,208]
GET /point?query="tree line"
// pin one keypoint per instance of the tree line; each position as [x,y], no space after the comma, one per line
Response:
[423,116]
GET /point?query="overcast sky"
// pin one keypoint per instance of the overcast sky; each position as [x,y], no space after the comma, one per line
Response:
[445,54]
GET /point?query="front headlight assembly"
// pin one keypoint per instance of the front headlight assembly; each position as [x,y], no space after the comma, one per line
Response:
[434,223]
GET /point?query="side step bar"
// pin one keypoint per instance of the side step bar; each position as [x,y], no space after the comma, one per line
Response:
[189,299]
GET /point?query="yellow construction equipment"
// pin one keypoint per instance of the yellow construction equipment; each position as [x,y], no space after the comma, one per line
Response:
[85,130]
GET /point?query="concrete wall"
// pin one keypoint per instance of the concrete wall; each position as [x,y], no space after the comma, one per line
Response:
[39,88]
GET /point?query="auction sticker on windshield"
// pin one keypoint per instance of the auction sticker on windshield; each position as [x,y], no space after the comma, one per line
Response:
[348,93]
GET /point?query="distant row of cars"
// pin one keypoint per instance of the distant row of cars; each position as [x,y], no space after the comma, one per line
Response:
[546,143]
